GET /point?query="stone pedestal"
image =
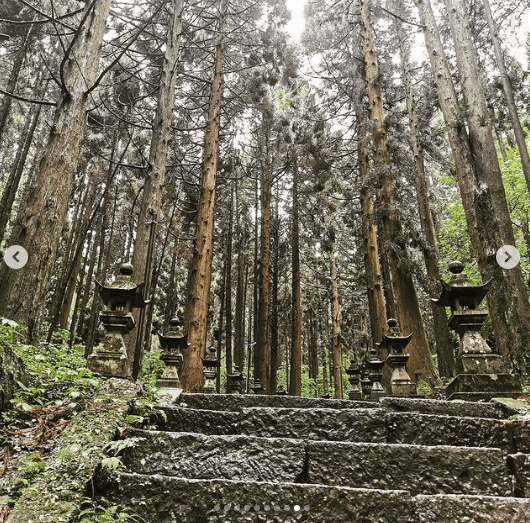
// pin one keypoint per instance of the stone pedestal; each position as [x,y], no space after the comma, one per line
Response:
[375,372]
[475,387]
[170,376]
[110,357]
[234,382]
[211,368]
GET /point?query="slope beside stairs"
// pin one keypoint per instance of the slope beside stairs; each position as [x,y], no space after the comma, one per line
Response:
[281,459]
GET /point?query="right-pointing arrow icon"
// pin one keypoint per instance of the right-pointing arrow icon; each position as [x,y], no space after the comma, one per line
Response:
[508,257]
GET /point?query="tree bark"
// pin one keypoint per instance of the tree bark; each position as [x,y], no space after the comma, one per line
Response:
[374,284]
[39,225]
[510,99]
[15,175]
[443,341]
[391,232]
[263,338]
[336,348]
[201,266]
[242,262]
[275,323]
[14,75]
[228,329]
[295,383]
[155,173]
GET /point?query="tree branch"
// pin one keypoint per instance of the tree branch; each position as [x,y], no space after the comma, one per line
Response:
[28,100]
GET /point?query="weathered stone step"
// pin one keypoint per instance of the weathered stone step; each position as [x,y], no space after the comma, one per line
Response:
[164,499]
[473,509]
[316,424]
[421,469]
[349,425]
[241,401]
[234,402]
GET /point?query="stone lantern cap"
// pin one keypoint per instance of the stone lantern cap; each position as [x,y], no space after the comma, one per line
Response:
[392,340]
[174,338]
[459,294]
[211,360]
[122,290]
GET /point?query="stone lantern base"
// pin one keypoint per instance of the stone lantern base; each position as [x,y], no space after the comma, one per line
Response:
[170,376]
[110,364]
[474,387]
[473,363]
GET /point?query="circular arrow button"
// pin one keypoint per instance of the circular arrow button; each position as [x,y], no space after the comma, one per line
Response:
[16,257]
[508,257]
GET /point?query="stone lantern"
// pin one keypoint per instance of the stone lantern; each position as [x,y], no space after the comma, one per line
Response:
[281,391]
[353,372]
[120,298]
[234,381]
[395,343]
[211,367]
[174,344]
[481,374]
[365,381]
[257,388]
[375,373]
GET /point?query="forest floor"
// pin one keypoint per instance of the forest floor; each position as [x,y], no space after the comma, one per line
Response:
[61,426]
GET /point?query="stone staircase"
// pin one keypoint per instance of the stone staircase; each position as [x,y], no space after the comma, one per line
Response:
[282,459]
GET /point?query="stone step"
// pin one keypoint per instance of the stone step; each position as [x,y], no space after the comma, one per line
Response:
[241,401]
[462,409]
[421,469]
[373,425]
[234,402]
[164,499]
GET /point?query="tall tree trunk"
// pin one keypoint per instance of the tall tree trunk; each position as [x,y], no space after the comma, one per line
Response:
[222,300]
[151,204]
[275,322]
[242,263]
[295,383]
[442,335]
[39,224]
[263,338]
[509,311]
[84,317]
[156,170]
[14,75]
[336,348]
[229,240]
[201,266]
[510,99]
[392,236]
[374,284]
[17,168]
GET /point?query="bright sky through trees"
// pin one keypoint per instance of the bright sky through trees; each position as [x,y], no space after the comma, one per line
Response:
[296,24]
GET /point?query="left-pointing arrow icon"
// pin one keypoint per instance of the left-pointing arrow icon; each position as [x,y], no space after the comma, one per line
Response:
[15,257]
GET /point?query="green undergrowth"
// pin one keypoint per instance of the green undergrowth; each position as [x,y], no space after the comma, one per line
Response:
[62,424]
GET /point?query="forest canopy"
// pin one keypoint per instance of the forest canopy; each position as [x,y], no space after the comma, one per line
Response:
[283,200]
